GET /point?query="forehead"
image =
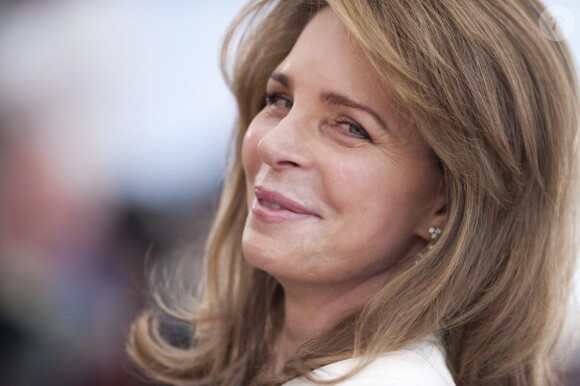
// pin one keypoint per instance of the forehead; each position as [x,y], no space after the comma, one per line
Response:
[327,55]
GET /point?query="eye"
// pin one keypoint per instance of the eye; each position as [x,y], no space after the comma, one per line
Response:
[354,129]
[279,101]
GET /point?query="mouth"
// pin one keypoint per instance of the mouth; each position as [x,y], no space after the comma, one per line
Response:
[273,206]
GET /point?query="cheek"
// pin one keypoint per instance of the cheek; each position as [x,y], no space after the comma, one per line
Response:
[373,191]
[402,179]
[359,182]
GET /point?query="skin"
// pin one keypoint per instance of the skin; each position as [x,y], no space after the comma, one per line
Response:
[375,198]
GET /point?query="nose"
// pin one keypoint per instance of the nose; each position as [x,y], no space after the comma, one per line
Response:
[286,145]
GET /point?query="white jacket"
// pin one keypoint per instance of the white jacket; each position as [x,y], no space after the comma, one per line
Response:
[422,364]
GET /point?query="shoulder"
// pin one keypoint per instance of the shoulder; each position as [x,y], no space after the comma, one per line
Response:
[422,364]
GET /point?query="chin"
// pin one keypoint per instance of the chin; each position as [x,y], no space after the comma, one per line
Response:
[259,251]
[275,258]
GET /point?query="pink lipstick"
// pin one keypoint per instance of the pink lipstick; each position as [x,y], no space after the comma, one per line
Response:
[272,206]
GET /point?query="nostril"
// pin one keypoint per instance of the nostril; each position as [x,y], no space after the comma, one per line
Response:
[286,163]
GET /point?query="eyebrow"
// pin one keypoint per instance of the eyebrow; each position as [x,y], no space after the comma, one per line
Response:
[333,99]
[281,78]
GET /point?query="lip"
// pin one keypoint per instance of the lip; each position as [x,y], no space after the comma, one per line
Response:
[290,211]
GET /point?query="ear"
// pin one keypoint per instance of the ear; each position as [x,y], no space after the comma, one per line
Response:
[434,214]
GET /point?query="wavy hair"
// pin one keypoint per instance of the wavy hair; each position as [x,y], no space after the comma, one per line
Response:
[497,103]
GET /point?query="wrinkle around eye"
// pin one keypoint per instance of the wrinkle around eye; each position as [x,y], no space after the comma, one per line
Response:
[272,112]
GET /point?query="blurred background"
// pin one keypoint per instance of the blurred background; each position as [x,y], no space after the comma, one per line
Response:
[114,129]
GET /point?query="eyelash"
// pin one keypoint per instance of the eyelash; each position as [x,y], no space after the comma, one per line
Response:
[273,98]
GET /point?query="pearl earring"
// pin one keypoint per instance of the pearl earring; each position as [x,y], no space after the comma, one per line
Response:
[434,232]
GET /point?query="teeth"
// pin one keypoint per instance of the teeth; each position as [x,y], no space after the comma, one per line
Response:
[271,204]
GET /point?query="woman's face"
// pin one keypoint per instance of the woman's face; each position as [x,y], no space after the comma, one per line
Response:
[339,186]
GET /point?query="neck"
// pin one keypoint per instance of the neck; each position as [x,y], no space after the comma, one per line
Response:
[311,310]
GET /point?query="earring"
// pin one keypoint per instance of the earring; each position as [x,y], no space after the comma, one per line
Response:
[434,232]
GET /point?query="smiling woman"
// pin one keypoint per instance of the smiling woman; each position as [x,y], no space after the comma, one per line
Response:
[400,203]
[371,196]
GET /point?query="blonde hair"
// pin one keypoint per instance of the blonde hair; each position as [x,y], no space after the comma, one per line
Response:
[497,103]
